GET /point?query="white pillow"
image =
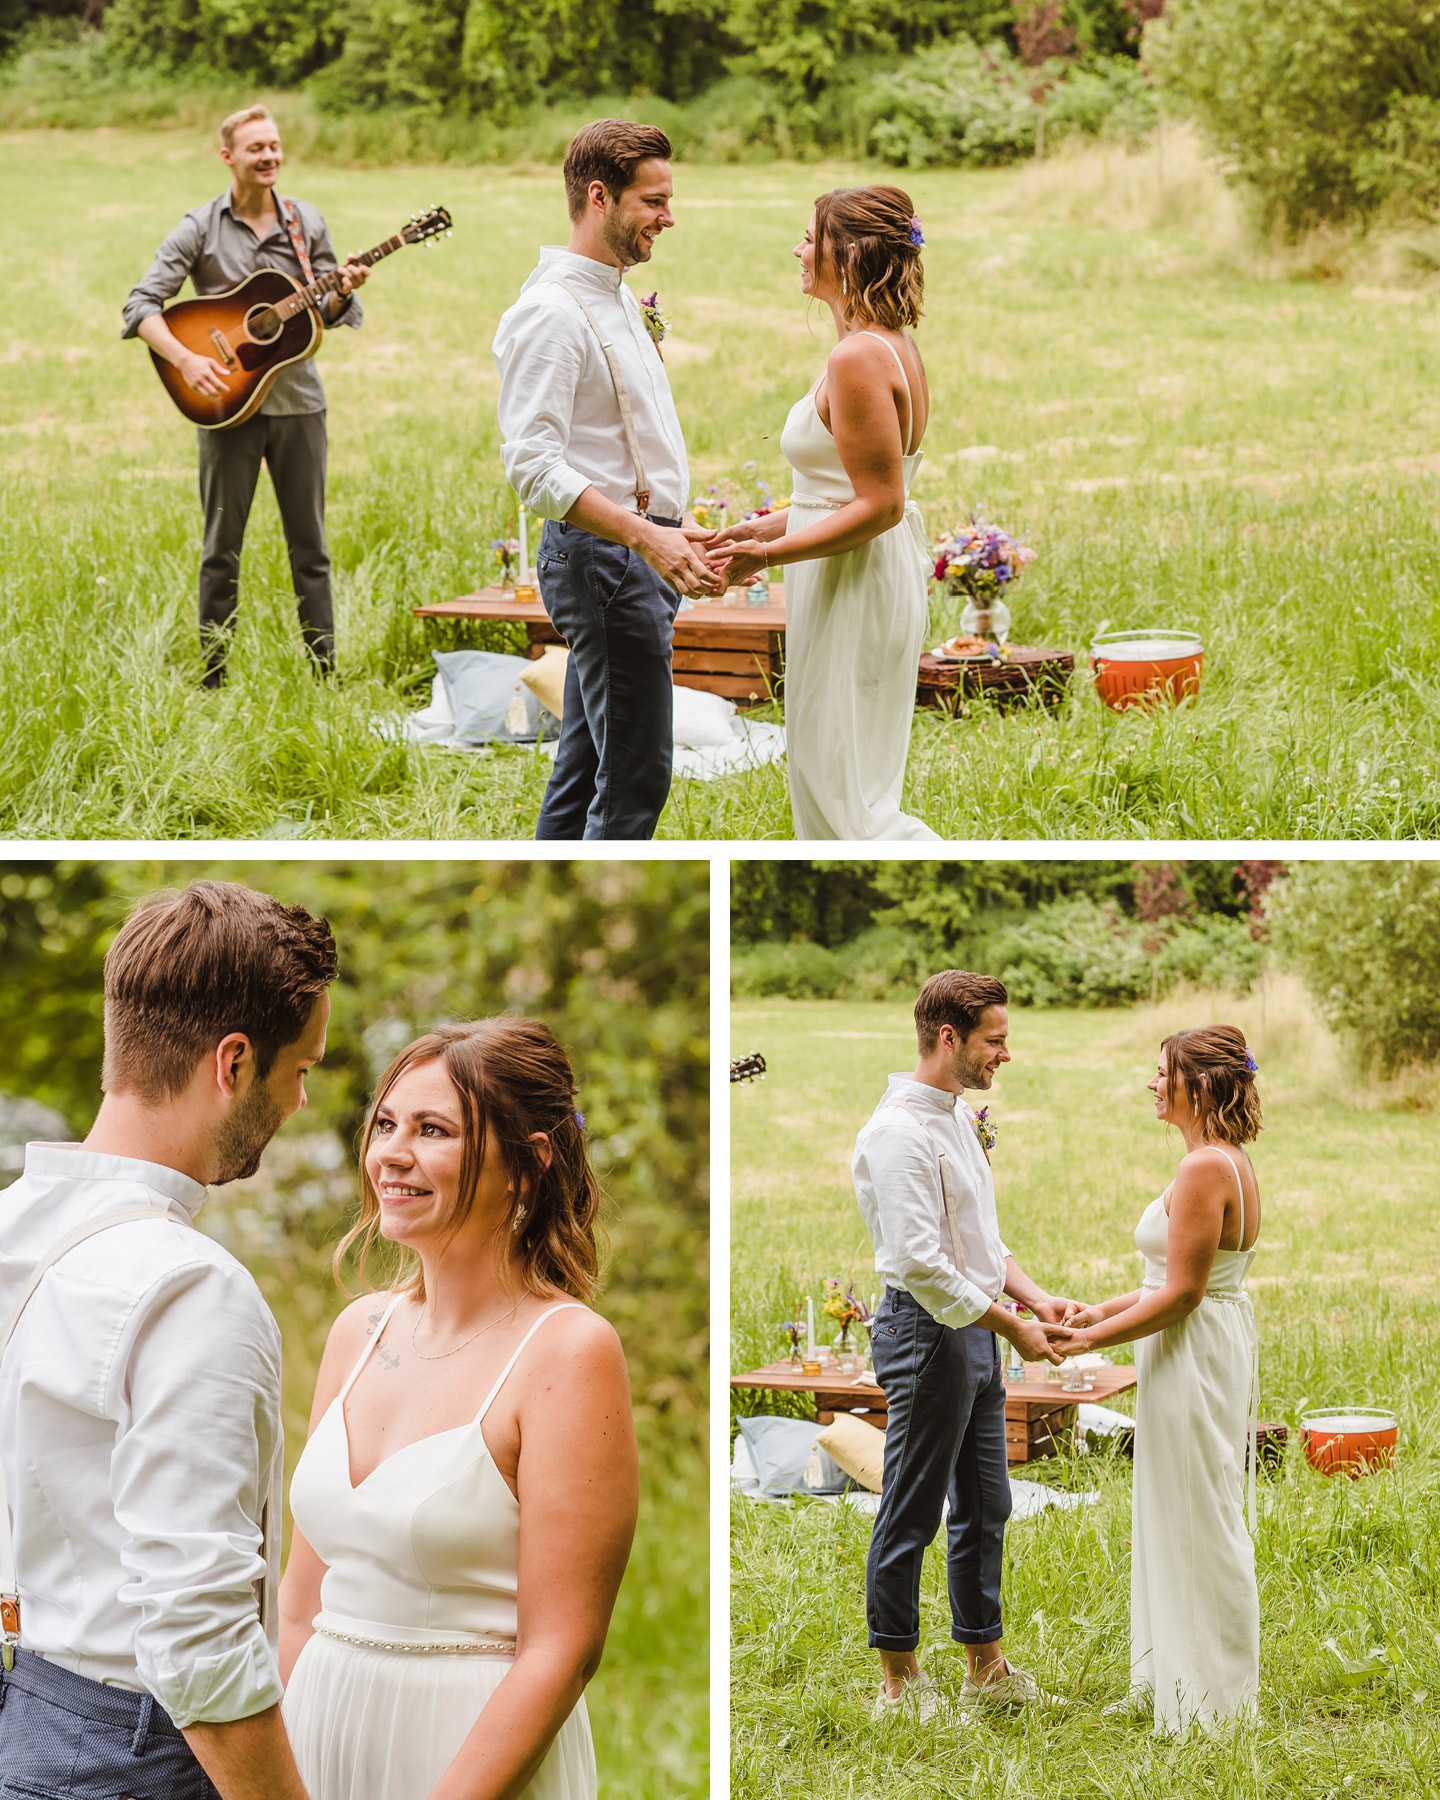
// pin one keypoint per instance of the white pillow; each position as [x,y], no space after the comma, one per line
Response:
[703,721]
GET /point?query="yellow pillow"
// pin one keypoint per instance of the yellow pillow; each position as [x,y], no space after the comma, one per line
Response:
[858,1448]
[545,678]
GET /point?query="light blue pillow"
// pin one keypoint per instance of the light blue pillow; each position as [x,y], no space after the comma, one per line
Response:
[780,1450]
[480,686]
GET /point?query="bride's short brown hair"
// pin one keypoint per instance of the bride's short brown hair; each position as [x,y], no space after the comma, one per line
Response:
[868,237]
[512,1078]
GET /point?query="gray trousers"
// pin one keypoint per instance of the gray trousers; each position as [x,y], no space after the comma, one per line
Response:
[292,446]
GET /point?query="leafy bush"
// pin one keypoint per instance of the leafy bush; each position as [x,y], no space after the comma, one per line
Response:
[1325,107]
[1072,953]
[1365,936]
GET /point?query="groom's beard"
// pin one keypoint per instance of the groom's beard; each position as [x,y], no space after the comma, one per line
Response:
[972,1072]
[625,243]
[242,1138]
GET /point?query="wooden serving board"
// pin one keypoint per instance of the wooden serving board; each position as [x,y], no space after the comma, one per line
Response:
[1025,671]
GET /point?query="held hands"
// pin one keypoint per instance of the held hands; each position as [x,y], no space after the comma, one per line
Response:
[1031,1339]
[671,553]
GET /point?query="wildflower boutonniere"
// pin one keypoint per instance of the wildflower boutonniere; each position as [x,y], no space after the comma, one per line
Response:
[987,1131]
[656,324]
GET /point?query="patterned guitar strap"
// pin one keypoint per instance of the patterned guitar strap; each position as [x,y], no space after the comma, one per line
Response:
[290,219]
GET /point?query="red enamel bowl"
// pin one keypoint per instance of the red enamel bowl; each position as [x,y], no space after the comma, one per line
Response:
[1350,1440]
[1139,668]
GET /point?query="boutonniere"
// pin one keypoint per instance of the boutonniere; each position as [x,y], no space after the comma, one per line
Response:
[986,1130]
[656,324]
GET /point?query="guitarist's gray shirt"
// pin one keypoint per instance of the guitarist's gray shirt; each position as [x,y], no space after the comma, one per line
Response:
[216,251]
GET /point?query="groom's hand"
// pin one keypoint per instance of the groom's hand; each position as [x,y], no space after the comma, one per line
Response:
[1052,1309]
[1030,1339]
[670,553]
[740,562]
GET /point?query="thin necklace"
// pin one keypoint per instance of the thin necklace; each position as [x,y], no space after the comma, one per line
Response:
[461,1345]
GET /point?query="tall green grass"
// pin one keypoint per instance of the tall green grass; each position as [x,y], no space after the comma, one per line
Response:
[1345,1299]
[1184,435]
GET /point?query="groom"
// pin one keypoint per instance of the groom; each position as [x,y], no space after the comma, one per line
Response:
[922,1177]
[593,446]
[140,1430]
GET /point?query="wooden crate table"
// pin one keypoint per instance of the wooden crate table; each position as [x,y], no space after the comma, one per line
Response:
[1024,671]
[1037,1412]
[738,651]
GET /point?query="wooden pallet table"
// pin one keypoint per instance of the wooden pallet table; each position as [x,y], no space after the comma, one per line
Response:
[1024,672]
[738,651]
[1038,1413]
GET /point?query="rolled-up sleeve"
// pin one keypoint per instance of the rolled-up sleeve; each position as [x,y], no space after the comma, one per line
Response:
[165,277]
[323,259]
[902,1172]
[191,1475]
[540,358]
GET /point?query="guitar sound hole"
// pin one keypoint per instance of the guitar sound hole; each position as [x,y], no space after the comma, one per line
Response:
[262,324]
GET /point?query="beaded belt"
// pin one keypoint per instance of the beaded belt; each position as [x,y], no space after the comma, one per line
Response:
[423,1646]
[823,505]
[1225,1294]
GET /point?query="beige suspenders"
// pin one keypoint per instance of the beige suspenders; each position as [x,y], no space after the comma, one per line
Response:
[9,1591]
[622,394]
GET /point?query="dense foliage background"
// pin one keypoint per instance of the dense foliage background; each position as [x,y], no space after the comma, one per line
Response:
[614,956]
[1362,935]
[1057,933]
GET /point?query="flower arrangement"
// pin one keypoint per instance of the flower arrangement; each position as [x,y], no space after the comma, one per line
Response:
[847,1309]
[656,323]
[508,549]
[726,502]
[981,559]
[986,1130]
[794,1332]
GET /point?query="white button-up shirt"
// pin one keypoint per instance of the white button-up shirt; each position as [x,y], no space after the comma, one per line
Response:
[897,1182]
[559,417]
[141,1430]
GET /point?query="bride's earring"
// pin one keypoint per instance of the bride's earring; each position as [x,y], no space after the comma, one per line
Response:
[519,1218]
[844,284]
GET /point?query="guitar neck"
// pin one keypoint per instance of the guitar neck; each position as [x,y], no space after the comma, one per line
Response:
[328,284]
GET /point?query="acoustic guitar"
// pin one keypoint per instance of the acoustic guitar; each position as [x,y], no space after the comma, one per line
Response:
[267,324]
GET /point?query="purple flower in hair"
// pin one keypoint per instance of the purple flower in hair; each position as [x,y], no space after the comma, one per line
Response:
[917,236]
[580,1120]
[1251,1066]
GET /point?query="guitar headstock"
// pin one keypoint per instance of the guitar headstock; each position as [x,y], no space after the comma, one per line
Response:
[748,1068]
[426,227]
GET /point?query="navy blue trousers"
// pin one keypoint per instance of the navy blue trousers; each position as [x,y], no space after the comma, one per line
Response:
[944,1440]
[63,1735]
[612,765]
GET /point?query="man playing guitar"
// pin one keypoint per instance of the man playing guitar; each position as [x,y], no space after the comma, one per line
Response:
[217,245]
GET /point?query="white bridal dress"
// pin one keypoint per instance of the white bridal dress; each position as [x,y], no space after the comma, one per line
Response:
[854,630]
[1194,1608]
[422,1553]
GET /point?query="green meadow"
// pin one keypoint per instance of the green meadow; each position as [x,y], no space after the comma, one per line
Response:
[1188,432]
[1345,1296]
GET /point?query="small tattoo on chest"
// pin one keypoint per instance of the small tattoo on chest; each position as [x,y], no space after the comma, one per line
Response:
[387,1357]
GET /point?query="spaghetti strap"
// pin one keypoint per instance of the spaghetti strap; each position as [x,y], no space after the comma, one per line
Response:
[370,1343]
[909,397]
[568,1306]
[1240,1185]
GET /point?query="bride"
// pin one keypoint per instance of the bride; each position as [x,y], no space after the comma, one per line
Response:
[465,1504]
[1194,1608]
[853,544]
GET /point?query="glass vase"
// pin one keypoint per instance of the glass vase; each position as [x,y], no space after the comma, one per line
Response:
[988,618]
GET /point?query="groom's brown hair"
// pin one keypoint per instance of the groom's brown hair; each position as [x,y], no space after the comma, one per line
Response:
[610,150]
[188,968]
[955,998]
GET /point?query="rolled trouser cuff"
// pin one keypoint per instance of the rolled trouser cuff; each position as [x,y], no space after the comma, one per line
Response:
[987,1634]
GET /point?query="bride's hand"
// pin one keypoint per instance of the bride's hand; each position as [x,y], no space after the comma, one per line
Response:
[739,563]
[1081,1318]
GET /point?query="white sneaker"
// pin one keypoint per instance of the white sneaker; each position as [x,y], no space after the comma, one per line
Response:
[1135,1708]
[1011,1692]
[919,1699]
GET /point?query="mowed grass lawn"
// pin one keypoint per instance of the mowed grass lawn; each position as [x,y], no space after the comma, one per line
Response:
[1345,1295]
[1183,436]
